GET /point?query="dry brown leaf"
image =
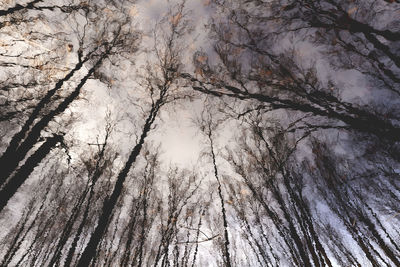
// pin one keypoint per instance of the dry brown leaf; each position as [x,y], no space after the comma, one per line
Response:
[175,19]
[202,59]
[133,11]
[265,73]
[244,192]
[69,47]
[351,11]
[199,71]
[206,2]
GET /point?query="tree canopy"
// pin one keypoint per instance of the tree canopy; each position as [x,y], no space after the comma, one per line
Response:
[295,106]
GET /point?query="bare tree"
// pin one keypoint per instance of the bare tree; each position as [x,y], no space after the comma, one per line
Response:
[159,85]
[263,162]
[208,125]
[119,36]
[253,69]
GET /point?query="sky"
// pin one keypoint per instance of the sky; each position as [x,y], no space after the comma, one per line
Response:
[180,140]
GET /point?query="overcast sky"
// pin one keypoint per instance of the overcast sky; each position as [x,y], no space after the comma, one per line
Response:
[180,140]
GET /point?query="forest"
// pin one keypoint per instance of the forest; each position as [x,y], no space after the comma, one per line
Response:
[200,133]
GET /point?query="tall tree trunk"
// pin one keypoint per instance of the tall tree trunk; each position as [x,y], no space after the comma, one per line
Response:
[109,203]
[227,257]
[15,158]
[23,173]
